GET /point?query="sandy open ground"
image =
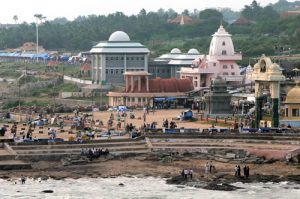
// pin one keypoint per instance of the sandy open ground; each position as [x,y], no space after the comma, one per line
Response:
[158,116]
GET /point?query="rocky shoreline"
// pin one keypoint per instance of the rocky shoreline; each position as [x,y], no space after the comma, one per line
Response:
[223,182]
[163,167]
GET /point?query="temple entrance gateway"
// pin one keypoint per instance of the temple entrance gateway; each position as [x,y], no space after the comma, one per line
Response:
[267,76]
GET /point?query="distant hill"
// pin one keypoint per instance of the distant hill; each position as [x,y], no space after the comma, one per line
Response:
[284,5]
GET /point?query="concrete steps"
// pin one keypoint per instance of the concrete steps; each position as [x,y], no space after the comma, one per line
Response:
[14,165]
[79,146]
[59,151]
[78,150]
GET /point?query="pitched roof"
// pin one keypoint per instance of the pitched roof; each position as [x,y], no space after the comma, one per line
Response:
[181,19]
[242,21]
[159,85]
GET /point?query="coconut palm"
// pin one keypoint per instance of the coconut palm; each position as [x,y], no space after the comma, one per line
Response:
[16,18]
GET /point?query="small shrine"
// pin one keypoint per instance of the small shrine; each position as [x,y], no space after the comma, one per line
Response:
[218,100]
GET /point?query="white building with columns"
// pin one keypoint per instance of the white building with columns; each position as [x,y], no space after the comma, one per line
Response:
[112,58]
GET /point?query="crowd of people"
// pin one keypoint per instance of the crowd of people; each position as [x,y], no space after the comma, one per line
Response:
[93,153]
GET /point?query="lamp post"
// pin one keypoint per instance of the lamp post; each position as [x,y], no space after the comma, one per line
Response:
[39,18]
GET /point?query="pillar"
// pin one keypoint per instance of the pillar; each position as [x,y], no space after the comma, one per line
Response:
[275,114]
[258,110]
[139,83]
[97,68]
[132,83]
[275,92]
[126,83]
[147,83]
[146,62]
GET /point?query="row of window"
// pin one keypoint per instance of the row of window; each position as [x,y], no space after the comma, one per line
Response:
[140,99]
[225,66]
[162,70]
[295,112]
[119,71]
[122,58]
[227,73]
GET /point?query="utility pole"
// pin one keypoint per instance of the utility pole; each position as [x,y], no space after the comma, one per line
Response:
[39,18]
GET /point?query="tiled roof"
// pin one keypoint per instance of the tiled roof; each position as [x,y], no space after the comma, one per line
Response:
[160,85]
[181,19]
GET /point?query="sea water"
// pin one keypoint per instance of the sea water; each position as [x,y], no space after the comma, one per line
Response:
[138,188]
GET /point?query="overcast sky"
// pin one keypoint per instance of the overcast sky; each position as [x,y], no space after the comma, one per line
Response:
[25,9]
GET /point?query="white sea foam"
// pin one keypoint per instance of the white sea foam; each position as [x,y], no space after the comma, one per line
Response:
[138,188]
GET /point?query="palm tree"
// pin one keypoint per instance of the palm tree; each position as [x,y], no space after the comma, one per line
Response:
[16,18]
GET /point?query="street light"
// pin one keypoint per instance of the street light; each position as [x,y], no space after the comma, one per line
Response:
[39,18]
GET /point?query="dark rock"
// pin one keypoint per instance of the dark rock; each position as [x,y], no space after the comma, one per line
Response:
[48,191]
[220,187]
[121,184]
[175,180]
[43,177]
[271,161]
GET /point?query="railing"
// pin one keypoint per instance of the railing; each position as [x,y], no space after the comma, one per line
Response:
[77,80]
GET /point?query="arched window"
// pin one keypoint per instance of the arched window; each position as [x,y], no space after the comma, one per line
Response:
[263,66]
[223,44]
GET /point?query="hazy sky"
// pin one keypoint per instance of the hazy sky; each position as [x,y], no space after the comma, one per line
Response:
[25,9]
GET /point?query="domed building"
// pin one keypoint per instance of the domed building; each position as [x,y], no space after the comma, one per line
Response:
[168,65]
[112,58]
[292,108]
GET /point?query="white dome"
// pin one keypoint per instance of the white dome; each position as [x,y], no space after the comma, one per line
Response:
[193,51]
[119,36]
[175,51]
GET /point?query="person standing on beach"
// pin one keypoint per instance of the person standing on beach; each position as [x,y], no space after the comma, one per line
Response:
[23,179]
[247,172]
[239,171]
[211,167]
[206,169]
[191,173]
[186,172]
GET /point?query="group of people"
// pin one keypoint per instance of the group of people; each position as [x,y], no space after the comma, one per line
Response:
[187,172]
[209,168]
[93,153]
[238,171]
[167,124]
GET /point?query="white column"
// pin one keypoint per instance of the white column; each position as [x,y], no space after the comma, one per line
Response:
[125,63]
[146,62]
[93,67]
[147,83]
[103,67]
[97,68]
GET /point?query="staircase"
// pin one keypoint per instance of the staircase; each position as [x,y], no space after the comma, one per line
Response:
[59,151]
